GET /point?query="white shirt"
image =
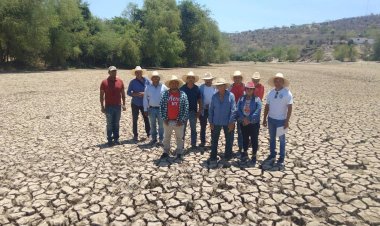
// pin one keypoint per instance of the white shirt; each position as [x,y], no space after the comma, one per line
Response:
[278,103]
[208,92]
[152,95]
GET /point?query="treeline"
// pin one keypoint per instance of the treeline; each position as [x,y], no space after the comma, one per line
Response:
[64,33]
[281,53]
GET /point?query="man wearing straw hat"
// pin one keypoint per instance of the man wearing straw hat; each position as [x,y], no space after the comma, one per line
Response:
[238,89]
[174,111]
[136,90]
[194,98]
[222,115]
[152,97]
[207,91]
[278,110]
[259,88]
[112,92]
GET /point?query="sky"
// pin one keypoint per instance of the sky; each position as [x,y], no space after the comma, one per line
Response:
[244,15]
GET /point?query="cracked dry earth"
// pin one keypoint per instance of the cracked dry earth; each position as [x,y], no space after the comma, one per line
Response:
[55,169]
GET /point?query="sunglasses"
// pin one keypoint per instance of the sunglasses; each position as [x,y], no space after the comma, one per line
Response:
[276,95]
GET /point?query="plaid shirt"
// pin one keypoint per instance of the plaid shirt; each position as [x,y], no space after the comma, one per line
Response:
[183,106]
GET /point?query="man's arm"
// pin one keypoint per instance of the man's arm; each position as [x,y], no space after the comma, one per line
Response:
[123,97]
[102,100]
[145,100]
[266,111]
[290,109]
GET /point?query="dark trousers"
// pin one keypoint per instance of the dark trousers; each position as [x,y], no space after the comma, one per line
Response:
[215,141]
[203,121]
[250,132]
[135,116]
[113,114]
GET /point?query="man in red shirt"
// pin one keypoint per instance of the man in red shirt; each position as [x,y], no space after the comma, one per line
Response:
[259,88]
[238,89]
[111,94]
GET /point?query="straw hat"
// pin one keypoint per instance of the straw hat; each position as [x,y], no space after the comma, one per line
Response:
[256,76]
[154,74]
[138,68]
[221,81]
[250,85]
[112,68]
[236,73]
[208,76]
[278,75]
[184,77]
[174,78]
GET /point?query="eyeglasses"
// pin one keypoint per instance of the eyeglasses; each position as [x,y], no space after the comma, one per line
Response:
[276,95]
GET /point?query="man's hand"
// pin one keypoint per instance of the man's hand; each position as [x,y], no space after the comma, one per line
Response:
[124,108]
[212,126]
[198,114]
[265,123]
[140,94]
[145,113]
[231,127]
[286,124]
[179,123]
[246,121]
[166,122]
[103,109]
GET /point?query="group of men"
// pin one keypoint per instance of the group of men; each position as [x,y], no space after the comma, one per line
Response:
[178,102]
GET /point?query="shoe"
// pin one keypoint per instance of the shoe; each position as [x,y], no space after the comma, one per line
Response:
[135,139]
[269,161]
[117,142]
[160,143]
[164,156]
[244,156]
[280,165]
[109,143]
[253,161]
[202,145]
[212,161]
[179,157]
[152,142]
[193,146]
[238,154]
[227,157]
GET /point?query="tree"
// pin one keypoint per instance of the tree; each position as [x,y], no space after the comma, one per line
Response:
[376,49]
[318,55]
[292,54]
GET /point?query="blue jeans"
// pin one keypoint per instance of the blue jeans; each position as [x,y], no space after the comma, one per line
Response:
[240,136]
[113,114]
[203,121]
[193,127]
[154,118]
[273,124]
[215,140]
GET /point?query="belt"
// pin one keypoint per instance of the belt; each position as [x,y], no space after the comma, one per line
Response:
[154,107]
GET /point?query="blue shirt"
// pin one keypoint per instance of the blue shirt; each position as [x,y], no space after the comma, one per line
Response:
[222,113]
[136,86]
[193,95]
[152,95]
[254,109]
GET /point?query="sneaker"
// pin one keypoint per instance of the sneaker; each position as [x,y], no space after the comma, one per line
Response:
[280,165]
[152,142]
[117,142]
[164,156]
[269,161]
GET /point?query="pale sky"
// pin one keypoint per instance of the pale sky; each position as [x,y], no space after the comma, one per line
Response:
[243,15]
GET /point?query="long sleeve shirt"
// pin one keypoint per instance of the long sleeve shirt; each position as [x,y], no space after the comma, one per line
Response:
[152,95]
[137,86]
[183,106]
[222,113]
[254,109]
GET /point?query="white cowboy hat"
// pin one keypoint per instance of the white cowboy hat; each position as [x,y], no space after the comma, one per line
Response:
[278,75]
[138,68]
[112,68]
[221,81]
[184,77]
[174,78]
[208,76]
[154,74]
[256,76]
[236,73]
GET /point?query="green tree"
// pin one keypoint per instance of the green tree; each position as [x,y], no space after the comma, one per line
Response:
[292,54]
[340,52]
[376,49]
[318,55]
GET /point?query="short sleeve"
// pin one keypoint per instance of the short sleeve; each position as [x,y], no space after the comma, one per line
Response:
[290,98]
[102,86]
[268,98]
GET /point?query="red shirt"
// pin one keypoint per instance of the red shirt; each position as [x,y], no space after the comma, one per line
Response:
[112,90]
[173,105]
[238,90]
[259,91]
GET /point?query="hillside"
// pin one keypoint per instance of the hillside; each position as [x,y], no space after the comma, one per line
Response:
[326,34]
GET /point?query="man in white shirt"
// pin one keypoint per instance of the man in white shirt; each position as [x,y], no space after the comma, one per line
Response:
[278,110]
[151,103]
[207,91]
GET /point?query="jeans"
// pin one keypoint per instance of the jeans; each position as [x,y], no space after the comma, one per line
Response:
[203,121]
[135,116]
[250,132]
[272,127]
[215,139]
[240,136]
[154,118]
[168,130]
[193,127]
[113,114]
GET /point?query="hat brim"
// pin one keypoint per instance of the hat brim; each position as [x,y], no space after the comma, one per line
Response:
[208,78]
[219,84]
[232,76]
[184,77]
[181,83]
[144,71]
[151,76]
[271,81]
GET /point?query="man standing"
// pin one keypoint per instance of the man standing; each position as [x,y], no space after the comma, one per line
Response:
[174,111]
[207,91]
[194,98]
[136,90]
[259,88]
[152,97]
[111,94]
[238,88]
[278,109]
[222,115]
